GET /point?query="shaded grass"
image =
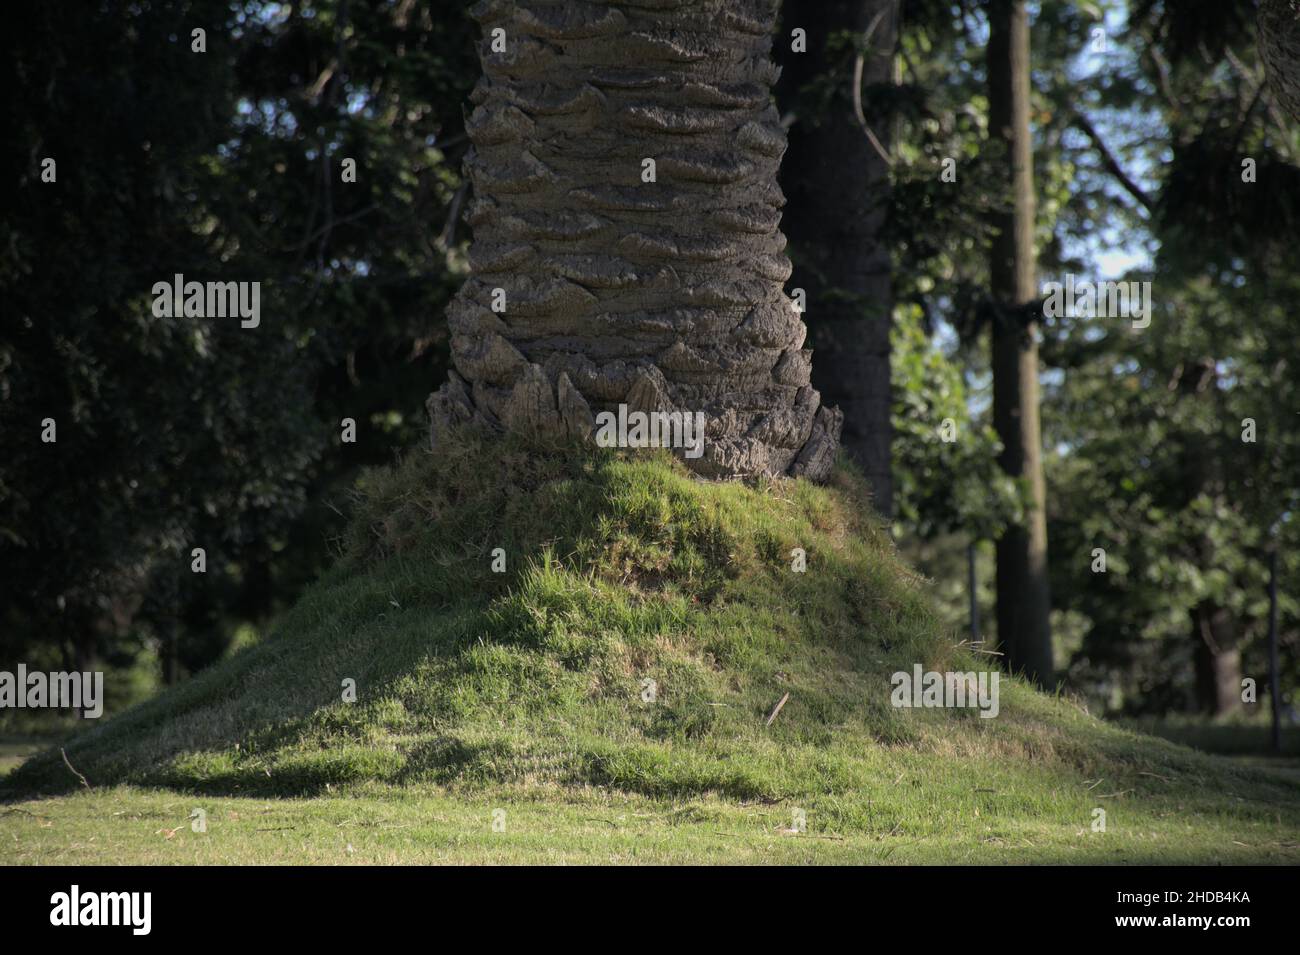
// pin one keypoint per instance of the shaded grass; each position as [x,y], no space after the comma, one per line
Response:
[14,751]
[1228,738]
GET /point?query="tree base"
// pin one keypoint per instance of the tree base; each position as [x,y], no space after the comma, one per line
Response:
[799,442]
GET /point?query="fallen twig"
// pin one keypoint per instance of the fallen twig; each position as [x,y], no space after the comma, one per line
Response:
[1157,776]
[74,771]
[977,649]
[776,709]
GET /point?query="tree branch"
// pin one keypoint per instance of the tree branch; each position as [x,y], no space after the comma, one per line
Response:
[858,65]
[1111,164]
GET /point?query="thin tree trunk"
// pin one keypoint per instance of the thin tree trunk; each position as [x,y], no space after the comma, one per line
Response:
[1218,661]
[1023,598]
[83,656]
[838,185]
[1217,651]
[171,651]
[662,295]
[1214,632]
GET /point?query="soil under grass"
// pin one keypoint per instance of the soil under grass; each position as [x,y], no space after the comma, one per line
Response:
[530,691]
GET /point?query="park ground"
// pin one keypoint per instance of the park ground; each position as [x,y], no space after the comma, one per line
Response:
[943,817]
[667,671]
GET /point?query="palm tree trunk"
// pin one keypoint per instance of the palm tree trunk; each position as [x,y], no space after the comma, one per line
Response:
[1023,598]
[620,281]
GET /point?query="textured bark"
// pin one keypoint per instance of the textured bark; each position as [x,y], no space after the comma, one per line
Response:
[1279,47]
[1023,598]
[665,295]
[838,185]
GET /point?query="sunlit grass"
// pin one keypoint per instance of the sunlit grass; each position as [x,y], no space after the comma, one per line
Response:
[610,691]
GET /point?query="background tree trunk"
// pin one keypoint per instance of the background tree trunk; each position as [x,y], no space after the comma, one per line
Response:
[1217,658]
[1023,599]
[1215,633]
[838,186]
[1279,47]
[663,295]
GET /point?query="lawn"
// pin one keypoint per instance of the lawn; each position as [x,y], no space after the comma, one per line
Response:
[939,816]
[612,696]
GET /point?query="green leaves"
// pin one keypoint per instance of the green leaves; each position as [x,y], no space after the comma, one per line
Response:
[945,459]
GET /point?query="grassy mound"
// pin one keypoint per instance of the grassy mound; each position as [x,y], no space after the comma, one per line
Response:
[621,570]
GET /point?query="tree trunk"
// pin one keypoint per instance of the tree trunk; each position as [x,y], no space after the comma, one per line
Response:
[611,289]
[838,186]
[1218,660]
[1214,632]
[1023,599]
[171,671]
[1279,47]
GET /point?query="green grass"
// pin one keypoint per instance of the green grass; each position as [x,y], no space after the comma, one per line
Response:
[13,752]
[523,691]
[939,817]
[1236,738]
